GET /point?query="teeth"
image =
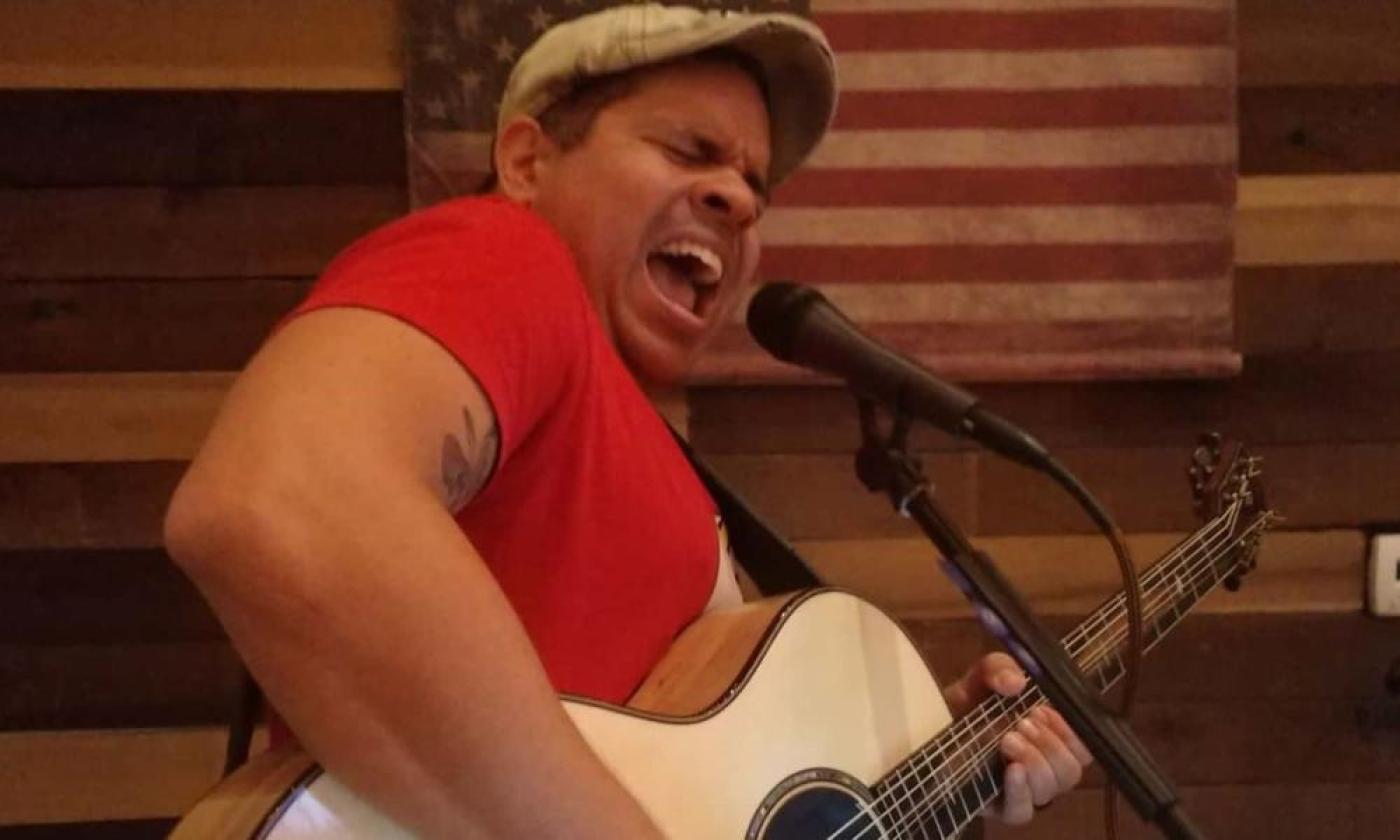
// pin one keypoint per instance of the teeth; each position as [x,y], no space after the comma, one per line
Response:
[714,267]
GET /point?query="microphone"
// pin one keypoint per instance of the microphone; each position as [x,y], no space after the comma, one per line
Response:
[797,324]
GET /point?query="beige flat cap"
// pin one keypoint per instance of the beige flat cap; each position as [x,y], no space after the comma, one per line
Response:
[794,54]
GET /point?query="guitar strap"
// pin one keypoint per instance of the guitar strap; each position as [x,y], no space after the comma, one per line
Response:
[770,561]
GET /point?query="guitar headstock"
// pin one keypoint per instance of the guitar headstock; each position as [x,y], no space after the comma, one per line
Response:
[1224,477]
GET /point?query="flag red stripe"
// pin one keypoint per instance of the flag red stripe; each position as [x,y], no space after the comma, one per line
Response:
[1079,108]
[1045,30]
[1205,359]
[996,263]
[1009,186]
[934,337]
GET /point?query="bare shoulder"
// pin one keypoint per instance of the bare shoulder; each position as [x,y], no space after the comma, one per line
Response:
[363,388]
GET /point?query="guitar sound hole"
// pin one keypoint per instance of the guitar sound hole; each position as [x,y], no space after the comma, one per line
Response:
[819,812]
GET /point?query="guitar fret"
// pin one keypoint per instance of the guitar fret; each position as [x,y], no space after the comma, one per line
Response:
[1109,672]
[913,805]
[918,800]
[1205,583]
[895,809]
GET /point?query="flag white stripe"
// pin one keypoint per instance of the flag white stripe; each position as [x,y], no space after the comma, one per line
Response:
[900,303]
[988,147]
[984,303]
[1035,69]
[821,7]
[1091,224]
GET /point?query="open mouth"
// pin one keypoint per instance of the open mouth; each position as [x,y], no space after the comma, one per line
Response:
[687,274]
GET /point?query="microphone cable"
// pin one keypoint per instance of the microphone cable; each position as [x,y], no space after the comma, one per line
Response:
[1132,596]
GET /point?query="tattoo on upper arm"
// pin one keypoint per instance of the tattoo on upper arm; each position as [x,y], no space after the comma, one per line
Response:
[467,463]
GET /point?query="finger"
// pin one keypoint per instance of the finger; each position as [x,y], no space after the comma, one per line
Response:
[1063,763]
[1020,747]
[1017,807]
[1060,726]
[1001,673]
[995,672]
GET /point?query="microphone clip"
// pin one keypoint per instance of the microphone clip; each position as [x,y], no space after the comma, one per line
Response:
[883,461]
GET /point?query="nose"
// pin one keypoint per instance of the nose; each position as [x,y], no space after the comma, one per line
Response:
[726,196]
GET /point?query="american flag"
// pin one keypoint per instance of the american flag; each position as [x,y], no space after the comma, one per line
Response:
[1013,189]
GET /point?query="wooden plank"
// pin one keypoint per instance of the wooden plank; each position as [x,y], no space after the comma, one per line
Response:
[91,775]
[1293,398]
[111,417]
[1300,42]
[106,417]
[1306,741]
[1317,309]
[1299,571]
[1275,811]
[103,684]
[320,44]
[1221,692]
[104,830]
[1223,658]
[1224,690]
[1302,130]
[260,44]
[145,233]
[1316,486]
[1318,219]
[110,326]
[77,597]
[807,497]
[1322,485]
[65,138]
[97,505]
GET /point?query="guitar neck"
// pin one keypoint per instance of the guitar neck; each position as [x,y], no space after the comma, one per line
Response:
[941,787]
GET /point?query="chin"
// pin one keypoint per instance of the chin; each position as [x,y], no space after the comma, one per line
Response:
[658,367]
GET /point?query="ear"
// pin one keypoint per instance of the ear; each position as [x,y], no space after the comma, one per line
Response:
[522,153]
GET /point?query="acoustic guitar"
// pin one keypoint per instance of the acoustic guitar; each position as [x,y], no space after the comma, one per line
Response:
[808,716]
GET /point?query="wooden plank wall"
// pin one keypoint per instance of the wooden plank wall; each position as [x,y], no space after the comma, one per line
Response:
[169,189]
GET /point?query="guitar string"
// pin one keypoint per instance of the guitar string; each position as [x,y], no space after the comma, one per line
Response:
[993,720]
[988,709]
[1027,699]
[996,711]
[970,771]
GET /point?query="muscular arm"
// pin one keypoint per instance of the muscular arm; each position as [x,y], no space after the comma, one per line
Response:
[316,522]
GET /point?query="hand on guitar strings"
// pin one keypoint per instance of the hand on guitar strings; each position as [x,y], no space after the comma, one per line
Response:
[1044,756]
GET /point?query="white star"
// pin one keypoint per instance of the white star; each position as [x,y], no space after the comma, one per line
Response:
[470,81]
[435,108]
[505,50]
[540,19]
[468,19]
[436,51]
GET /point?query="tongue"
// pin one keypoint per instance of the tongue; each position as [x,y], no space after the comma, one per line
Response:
[671,283]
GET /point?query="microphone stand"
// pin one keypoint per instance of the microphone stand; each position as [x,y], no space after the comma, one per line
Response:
[886,466]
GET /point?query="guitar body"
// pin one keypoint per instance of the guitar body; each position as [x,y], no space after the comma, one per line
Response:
[765,721]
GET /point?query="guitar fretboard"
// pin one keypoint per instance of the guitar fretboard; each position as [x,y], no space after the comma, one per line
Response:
[942,787]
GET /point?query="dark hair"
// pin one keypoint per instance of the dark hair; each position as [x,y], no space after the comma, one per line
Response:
[568,121]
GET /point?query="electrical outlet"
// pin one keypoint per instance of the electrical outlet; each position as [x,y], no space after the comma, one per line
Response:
[1385,574]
